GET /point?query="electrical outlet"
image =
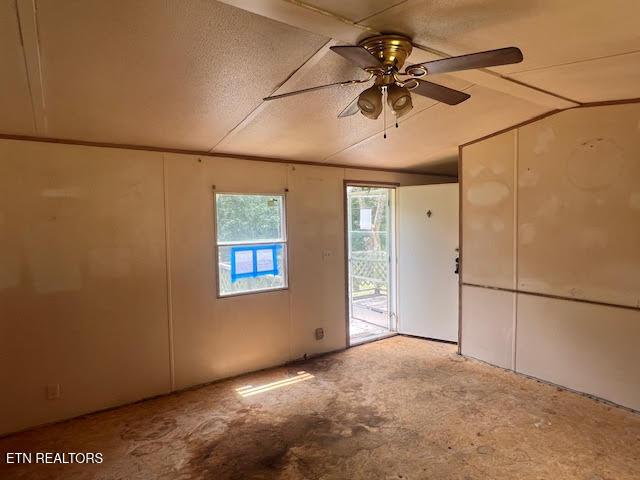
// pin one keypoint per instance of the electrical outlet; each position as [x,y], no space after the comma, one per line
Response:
[319,333]
[53,391]
[326,254]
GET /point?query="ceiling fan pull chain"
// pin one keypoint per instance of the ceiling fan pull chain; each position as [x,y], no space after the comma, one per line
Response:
[384,111]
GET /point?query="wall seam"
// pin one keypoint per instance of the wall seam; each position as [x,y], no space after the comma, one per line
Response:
[460,246]
[290,258]
[516,144]
[167,249]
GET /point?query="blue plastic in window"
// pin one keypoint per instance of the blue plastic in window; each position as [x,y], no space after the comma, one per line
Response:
[254,261]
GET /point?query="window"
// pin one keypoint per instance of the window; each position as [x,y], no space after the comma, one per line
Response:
[251,243]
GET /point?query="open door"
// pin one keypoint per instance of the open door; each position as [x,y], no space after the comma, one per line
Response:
[427,261]
[370,231]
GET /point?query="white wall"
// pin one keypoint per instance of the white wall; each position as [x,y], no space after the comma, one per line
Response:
[85,273]
[551,250]
[82,280]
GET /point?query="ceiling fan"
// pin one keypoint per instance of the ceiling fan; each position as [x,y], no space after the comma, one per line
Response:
[383,57]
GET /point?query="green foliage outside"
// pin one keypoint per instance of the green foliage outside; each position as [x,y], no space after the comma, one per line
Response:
[376,200]
[369,247]
[255,218]
[248,218]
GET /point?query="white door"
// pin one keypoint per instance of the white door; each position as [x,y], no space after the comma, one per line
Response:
[427,253]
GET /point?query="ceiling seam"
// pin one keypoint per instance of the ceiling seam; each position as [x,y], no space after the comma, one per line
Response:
[39,59]
[533,87]
[330,28]
[332,15]
[400,121]
[26,69]
[358,22]
[495,74]
[30,38]
[346,20]
[507,76]
[279,86]
[549,67]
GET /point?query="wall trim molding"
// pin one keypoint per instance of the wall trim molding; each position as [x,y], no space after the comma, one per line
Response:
[604,103]
[555,297]
[204,153]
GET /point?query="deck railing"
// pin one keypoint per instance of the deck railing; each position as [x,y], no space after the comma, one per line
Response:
[369,273]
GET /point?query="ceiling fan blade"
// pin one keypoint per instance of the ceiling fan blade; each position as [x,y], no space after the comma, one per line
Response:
[350,109]
[438,92]
[319,87]
[358,55]
[491,58]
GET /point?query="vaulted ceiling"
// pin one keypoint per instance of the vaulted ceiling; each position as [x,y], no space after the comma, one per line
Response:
[192,74]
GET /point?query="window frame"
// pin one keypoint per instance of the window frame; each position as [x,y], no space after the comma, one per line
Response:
[284,241]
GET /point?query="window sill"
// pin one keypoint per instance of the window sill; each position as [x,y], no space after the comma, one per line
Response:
[252,292]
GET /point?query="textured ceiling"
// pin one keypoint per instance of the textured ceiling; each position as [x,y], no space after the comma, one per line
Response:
[191,75]
[431,134]
[306,127]
[164,73]
[549,32]
[608,78]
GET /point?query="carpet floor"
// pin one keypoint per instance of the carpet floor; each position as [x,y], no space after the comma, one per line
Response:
[400,408]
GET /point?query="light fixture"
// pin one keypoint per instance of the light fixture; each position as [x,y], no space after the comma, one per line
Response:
[399,99]
[370,102]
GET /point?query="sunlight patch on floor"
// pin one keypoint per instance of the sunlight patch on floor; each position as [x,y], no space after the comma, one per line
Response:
[249,390]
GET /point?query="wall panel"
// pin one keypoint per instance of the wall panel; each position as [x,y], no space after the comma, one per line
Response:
[317,258]
[488,206]
[82,280]
[579,205]
[216,338]
[576,246]
[589,348]
[92,299]
[487,325]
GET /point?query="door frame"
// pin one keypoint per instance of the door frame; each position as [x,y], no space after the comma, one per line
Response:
[393,262]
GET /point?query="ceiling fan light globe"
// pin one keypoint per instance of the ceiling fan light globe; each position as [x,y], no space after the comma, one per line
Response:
[399,99]
[401,102]
[370,102]
[366,106]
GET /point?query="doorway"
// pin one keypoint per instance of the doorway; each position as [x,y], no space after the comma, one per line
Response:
[371,242]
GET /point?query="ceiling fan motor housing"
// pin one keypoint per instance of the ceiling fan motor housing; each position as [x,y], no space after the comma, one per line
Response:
[391,50]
